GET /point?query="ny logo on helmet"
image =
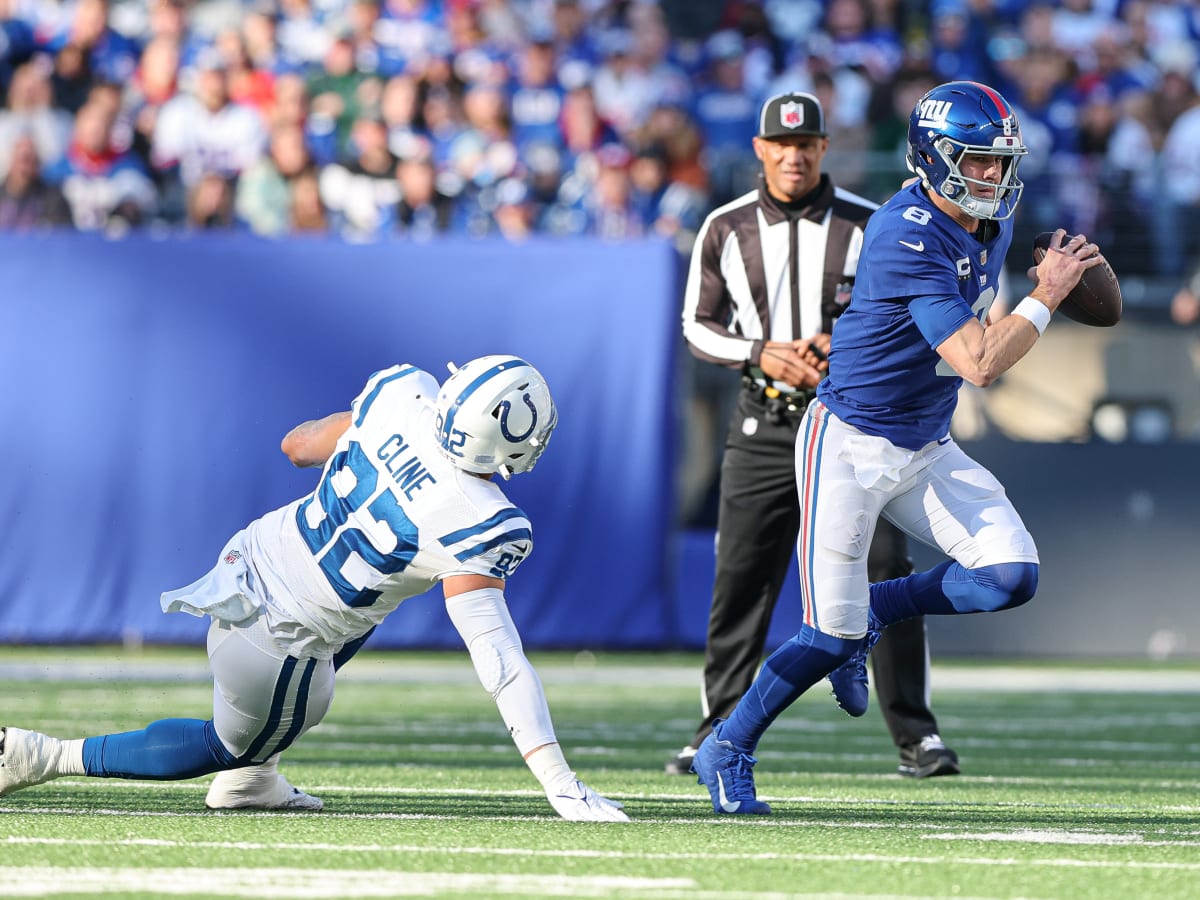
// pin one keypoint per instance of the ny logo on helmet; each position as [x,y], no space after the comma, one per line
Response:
[934,113]
[791,114]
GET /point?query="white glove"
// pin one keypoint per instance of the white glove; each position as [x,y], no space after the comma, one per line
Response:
[576,802]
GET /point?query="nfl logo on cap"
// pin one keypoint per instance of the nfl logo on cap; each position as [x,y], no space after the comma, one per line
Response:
[792,113]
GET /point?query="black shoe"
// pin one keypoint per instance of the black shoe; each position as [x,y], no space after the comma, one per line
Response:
[927,758]
[681,764]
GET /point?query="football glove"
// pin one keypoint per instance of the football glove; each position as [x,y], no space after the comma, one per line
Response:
[577,802]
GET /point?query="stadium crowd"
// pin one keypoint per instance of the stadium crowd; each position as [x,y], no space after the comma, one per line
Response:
[617,118]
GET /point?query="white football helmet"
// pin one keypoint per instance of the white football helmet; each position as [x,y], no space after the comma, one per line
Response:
[495,414]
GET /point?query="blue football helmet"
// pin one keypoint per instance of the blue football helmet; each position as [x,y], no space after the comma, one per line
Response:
[958,118]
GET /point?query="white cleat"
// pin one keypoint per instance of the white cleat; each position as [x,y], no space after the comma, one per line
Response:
[26,758]
[258,787]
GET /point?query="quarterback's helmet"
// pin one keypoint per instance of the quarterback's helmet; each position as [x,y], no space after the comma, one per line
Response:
[958,118]
[495,414]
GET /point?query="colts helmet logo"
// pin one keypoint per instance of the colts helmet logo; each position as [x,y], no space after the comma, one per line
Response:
[791,114]
[505,408]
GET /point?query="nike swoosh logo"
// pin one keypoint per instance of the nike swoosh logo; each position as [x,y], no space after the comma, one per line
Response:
[919,246]
[726,804]
[943,442]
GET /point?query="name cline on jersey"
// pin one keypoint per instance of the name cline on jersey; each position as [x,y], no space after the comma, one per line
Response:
[390,517]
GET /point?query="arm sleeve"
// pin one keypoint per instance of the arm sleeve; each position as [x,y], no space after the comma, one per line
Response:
[487,629]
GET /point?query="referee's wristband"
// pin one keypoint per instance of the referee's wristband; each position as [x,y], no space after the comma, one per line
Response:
[1035,311]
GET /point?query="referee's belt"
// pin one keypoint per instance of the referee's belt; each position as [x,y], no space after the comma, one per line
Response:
[794,401]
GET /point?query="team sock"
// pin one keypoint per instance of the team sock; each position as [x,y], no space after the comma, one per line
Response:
[166,750]
[950,589]
[788,672]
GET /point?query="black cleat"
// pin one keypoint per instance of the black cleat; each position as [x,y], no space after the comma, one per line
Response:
[681,763]
[927,758]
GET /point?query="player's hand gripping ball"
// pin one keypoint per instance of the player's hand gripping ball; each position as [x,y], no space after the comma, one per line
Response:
[1096,299]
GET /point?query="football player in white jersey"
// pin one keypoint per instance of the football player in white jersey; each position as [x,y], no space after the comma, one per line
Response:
[406,500]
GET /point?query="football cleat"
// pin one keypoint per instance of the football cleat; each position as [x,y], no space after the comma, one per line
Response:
[26,758]
[258,787]
[849,680]
[729,777]
[681,763]
[927,758]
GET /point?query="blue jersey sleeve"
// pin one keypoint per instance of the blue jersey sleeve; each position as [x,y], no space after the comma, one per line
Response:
[939,317]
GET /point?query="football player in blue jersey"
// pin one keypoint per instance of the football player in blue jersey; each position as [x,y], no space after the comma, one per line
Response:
[876,440]
[406,500]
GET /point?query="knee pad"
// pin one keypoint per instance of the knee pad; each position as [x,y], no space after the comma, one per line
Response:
[993,588]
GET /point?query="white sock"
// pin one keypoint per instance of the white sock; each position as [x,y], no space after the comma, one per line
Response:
[70,758]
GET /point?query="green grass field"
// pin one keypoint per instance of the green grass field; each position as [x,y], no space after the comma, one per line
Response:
[1079,782]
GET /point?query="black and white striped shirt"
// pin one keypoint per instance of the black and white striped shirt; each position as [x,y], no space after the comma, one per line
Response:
[763,271]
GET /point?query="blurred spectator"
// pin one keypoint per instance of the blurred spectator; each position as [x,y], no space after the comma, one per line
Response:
[30,112]
[333,91]
[424,210]
[536,97]
[361,193]
[672,129]
[309,215]
[16,41]
[71,78]
[202,132]
[1048,113]
[259,34]
[168,19]
[399,105]
[574,46]
[302,40]
[858,43]
[210,204]
[1077,25]
[725,114]
[849,167]
[892,106]
[371,56]
[153,85]
[670,209]
[1185,305]
[105,188]
[442,116]
[264,190]
[652,53]
[27,202]
[608,207]
[515,215]
[623,91]
[248,86]
[1177,219]
[107,54]
[1111,62]
[582,127]
[959,44]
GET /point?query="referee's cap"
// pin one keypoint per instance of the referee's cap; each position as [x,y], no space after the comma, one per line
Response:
[792,113]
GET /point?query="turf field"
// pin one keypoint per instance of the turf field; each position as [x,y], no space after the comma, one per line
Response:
[1079,782]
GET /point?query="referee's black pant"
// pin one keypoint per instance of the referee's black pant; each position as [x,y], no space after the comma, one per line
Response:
[758,521]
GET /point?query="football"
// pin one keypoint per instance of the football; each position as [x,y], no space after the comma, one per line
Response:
[1096,300]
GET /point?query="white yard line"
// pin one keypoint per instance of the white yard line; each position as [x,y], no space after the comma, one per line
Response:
[31,881]
[946,678]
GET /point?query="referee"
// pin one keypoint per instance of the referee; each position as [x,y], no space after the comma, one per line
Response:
[769,273]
